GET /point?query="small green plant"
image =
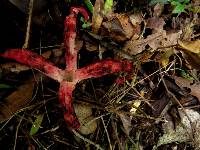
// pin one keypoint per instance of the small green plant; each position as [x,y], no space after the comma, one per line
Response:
[89,5]
[179,6]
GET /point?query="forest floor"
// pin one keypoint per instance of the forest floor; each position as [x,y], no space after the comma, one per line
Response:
[138,79]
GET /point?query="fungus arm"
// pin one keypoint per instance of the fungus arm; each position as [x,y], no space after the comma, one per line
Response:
[35,61]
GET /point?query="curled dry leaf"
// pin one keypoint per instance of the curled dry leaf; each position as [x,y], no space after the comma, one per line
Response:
[136,19]
[126,24]
[120,27]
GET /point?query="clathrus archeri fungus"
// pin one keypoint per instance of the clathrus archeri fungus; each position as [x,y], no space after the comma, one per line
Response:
[69,77]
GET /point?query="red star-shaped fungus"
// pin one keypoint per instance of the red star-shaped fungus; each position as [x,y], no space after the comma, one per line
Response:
[69,77]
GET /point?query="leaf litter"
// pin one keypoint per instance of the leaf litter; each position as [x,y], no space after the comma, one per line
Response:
[152,107]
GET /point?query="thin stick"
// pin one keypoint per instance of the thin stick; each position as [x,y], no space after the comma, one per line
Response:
[106,133]
[26,41]
[87,140]
[16,133]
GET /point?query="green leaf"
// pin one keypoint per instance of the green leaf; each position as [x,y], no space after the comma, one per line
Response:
[185,74]
[89,5]
[179,9]
[186,1]
[4,86]
[85,24]
[36,124]
[108,6]
[175,3]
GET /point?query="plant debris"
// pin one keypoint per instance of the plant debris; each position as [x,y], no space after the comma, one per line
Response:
[126,74]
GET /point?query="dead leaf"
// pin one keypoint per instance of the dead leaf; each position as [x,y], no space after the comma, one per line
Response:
[97,17]
[184,130]
[191,46]
[83,111]
[165,57]
[86,119]
[155,23]
[188,30]
[169,39]
[157,10]
[136,19]
[182,82]
[14,67]
[18,99]
[126,121]
[91,47]
[120,27]
[88,125]
[127,26]
[192,59]
[191,52]
[162,97]
[155,41]
[196,6]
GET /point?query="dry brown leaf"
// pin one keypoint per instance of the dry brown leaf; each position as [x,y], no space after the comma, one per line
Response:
[91,47]
[157,10]
[191,51]
[188,31]
[134,46]
[155,23]
[120,27]
[167,39]
[192,59]
[136,19]
[155,41]
[14,67]
[83,111]
[88,125]
[182,82]
[97,17]
[191,46]
[17,100]
[126,24]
